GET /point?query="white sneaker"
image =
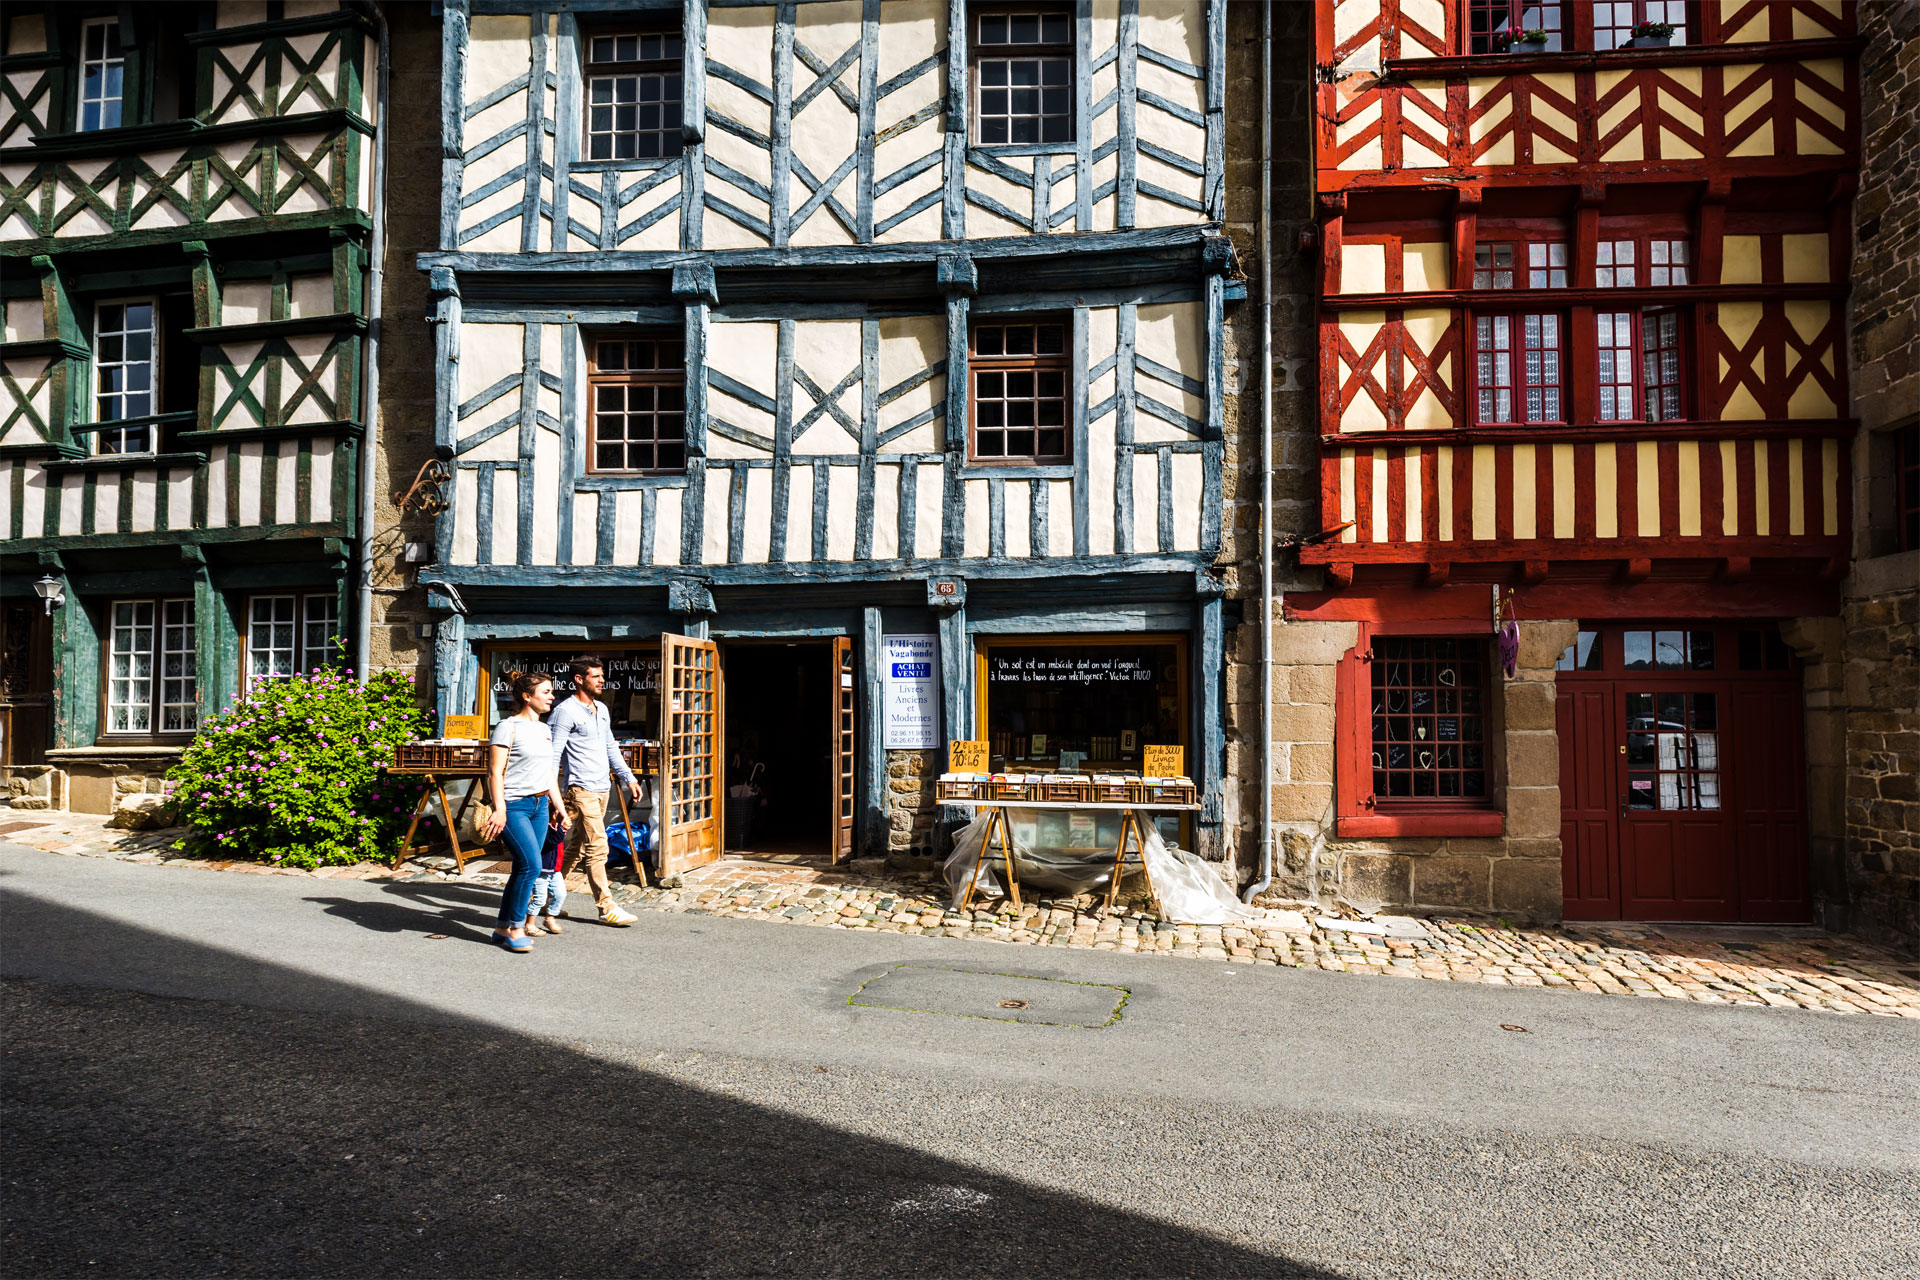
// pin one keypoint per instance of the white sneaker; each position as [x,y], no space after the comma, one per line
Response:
[613,915]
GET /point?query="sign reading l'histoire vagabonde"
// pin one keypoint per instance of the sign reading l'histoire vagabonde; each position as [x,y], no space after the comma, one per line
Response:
[911,677]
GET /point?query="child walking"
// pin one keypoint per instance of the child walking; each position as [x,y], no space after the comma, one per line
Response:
[550,889]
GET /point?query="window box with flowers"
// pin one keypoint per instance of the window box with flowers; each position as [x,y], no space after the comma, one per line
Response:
[1415,727]
[1652,35]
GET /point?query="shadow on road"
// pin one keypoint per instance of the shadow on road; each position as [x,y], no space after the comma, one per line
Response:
[342,1131]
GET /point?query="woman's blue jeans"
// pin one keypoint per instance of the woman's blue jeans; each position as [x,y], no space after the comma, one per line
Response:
[526,832]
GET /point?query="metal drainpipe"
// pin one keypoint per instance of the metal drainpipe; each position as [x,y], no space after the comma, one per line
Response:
[370,385]
[1266,457]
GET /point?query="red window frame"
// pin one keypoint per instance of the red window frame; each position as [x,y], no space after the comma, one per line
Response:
[1621,384]
[1357,811]
[1552,356]
[1495,24]
[1610,272]
[1624,15]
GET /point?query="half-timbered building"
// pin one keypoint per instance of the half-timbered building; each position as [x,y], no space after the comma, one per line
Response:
[1582,367]
[185,211]
[807,360]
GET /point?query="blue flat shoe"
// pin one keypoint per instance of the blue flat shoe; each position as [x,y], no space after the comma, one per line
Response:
[519,946]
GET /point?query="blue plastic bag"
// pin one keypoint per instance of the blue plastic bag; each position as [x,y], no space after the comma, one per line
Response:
[626,840]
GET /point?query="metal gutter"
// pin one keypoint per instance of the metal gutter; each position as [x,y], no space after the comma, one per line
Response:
[1265,877]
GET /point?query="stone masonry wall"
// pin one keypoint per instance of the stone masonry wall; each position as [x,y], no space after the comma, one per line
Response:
[1871,884]
[911,810]
[1291,414]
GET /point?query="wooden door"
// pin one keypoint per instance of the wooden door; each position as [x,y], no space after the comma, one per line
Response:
[1767,806]
[1589,869]
[1676,858]
[690,689]
[842,698]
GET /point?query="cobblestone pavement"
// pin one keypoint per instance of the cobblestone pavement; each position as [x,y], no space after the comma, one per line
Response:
[1785,967]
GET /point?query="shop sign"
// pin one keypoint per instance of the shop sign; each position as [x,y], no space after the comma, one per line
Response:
[911,682]
[1164,762]
[1080,669]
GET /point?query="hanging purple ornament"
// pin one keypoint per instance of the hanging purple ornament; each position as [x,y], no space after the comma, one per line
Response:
[1509,639]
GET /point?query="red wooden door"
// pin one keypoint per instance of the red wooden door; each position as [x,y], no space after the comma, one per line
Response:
[1676,859]
[1767,805]
[1589,799]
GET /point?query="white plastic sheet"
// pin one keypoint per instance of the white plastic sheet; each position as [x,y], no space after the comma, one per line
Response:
[1190,891]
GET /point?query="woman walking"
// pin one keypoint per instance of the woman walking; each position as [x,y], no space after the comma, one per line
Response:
[526,798]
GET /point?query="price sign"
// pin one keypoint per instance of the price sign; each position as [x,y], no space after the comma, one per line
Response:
[1164,762]
[966,757]
[465,727]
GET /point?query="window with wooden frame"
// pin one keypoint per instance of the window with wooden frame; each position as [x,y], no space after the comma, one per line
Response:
[1494,25]
[151,686]
[1614,21]
[632,83]
[1627,262]
[1906,487]
[143,367]
[1416,727]
[1022,59]
[1640,369]
[1020,381]
[288,634]
[1518,367]
[1507,264]
[637,422]
[103,72]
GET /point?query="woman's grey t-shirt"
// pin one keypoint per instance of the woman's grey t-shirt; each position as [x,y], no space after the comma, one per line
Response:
[530,761]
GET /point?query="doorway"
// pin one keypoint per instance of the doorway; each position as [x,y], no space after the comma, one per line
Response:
[1682,775]
[781,738]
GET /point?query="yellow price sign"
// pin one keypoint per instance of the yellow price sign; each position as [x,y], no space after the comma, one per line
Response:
[1164,762]
[465,727]
[966,757]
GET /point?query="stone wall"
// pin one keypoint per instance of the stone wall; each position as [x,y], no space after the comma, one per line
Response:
[1870,880]
[1290,413]
[911,810]
[1516,874]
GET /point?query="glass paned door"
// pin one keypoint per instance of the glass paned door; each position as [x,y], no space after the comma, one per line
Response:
[690,753]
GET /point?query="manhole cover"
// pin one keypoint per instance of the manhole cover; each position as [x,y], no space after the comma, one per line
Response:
[1001,997]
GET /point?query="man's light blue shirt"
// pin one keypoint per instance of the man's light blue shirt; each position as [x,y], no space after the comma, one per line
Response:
[583,743]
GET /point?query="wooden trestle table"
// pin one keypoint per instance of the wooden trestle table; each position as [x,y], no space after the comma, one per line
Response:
[1130,822]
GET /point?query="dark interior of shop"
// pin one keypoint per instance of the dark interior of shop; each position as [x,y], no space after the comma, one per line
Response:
[780,736]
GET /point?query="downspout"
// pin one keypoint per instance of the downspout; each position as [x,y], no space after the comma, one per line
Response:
[370,385]
[1265,877]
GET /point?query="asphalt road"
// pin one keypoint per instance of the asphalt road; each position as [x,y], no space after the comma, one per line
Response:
[214,1074]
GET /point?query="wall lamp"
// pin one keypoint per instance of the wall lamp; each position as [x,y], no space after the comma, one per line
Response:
[50,589]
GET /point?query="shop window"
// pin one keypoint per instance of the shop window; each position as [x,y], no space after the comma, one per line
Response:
[1429,719]
[1019,404]
[631,696]
[290,634]
[151,686]
[103,71]
[1673,751]
[639,387]
[1618,262]
[143,366]
[1614,21]
[1080,705]
[1639,371]
[1493,25]
[633,90]
[1668,650]
[1517,367]
[1023,75]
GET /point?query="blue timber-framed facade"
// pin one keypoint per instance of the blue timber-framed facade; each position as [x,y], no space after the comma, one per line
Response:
[823,242]
[229,191]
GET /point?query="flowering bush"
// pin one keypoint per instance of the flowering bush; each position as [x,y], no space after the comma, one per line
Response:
[292,774]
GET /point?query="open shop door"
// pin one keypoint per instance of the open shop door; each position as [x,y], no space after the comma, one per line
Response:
[689,753]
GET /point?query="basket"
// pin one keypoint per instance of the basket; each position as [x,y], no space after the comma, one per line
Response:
[1072,787]
[962,787]
[1148,791]
[1108,788]
[440,757]
[641,757]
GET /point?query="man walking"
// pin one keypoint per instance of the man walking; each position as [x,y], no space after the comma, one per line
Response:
[588,758]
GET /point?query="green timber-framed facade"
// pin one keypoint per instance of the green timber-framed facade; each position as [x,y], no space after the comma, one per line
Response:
[186,206]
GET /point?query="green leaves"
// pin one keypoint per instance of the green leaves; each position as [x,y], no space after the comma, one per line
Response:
[292,775]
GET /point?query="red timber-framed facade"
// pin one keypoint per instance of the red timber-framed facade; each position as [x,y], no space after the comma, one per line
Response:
[1582,356]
